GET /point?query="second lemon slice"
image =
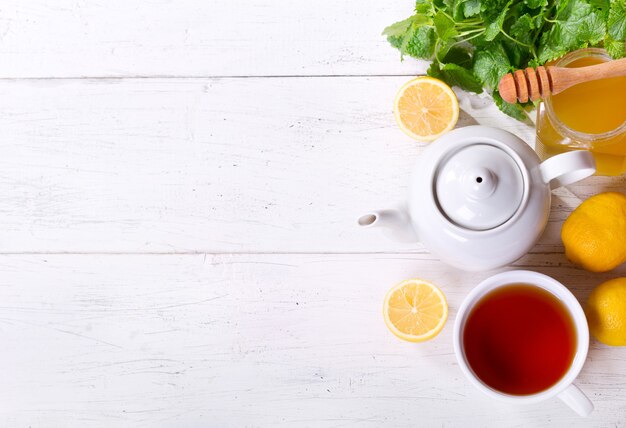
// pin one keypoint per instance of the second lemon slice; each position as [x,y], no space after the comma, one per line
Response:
[426,108]
[415,310]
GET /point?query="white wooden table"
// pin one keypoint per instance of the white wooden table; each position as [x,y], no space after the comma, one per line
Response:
[179,183]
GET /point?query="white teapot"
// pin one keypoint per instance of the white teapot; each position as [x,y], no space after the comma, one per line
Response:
[479,197]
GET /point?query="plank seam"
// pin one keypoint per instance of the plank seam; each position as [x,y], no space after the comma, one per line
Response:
[192,77]
[234,253]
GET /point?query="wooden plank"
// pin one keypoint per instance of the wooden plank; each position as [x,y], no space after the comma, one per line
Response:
[78,38]
[213,165]
[250,340]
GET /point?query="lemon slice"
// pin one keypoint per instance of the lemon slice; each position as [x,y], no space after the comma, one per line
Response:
[415,310]
[426,108]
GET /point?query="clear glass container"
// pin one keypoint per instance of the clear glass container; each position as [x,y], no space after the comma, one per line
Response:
[554,136]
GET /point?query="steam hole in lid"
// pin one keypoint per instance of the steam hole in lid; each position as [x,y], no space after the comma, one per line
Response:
[479,179]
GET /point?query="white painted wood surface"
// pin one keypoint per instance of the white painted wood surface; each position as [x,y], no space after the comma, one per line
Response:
[79,38]
[249,340]
[178,244]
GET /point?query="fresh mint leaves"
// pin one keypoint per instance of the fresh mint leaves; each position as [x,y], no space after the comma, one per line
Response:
[473,43]
[575,25]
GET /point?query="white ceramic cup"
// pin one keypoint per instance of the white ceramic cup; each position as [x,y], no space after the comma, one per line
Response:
[564,388]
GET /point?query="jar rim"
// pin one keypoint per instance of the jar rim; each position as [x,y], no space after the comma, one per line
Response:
[562,128]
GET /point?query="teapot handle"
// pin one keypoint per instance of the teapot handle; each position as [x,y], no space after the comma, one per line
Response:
[567,168]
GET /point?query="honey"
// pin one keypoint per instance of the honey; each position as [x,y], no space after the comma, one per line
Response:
[589,116]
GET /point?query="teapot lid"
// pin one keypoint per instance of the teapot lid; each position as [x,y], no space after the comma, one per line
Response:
[479,187]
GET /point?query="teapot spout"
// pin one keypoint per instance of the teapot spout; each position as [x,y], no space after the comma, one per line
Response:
[396,224]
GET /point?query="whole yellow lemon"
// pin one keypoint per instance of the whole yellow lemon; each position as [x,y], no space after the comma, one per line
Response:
[606,312]
[594,234]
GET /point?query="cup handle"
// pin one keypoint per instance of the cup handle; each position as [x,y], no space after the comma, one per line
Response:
[567,168]
[576,400]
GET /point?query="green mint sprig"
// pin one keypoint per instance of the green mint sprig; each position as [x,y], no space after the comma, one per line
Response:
[473,43]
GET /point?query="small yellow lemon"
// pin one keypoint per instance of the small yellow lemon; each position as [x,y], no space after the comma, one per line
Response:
[606,312]
[415,310]
[594,234]
[426,108]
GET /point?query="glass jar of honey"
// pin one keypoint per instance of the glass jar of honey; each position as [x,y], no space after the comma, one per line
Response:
[588,116]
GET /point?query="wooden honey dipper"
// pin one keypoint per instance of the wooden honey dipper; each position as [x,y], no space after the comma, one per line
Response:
[534,84]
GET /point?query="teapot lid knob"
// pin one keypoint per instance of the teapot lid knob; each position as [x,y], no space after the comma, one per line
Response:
[479,182]
[479,187]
